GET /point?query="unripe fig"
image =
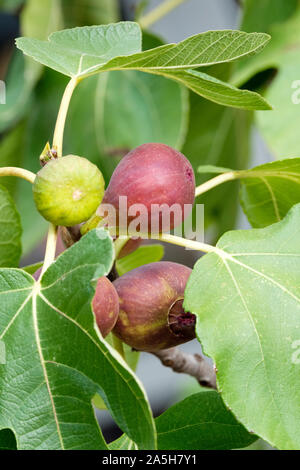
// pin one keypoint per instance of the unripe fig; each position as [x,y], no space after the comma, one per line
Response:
[151,314]
[68,190]
[105,306]
[153,174]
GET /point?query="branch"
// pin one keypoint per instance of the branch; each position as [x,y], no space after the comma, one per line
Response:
[191,364]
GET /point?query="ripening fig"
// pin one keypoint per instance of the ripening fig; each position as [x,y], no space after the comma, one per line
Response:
[105,306]
[151,314]
[68,190]
[153,174]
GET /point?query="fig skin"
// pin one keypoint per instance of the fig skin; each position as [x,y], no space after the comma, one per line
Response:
[105,306]
[152,174]
[151,314]
[68,190]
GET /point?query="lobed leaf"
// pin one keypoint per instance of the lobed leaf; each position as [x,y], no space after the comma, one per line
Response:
[81,52]
[201,422]
[268,191]
[56,360]
[10,231]
[246,297]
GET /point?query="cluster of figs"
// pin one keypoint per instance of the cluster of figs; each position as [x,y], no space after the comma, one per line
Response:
[144,307]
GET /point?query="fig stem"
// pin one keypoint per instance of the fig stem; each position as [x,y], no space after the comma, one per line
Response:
[50,248]
[62,115]
[159,12]
[216,181]
[18,172]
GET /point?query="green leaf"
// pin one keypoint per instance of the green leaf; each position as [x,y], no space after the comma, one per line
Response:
[11,154]
[90,12]
[269,191]
[246,297]
[32,268]
[123,443]
[7,440]
[201,422]
[57,360]
[280,127]
[259,16]
[217,136]
[201,50]
[10,231]
[219,92]
[18,90]
[74,52]
[37,19]
[143,255]
[11,5]
[120,102]
[27,149]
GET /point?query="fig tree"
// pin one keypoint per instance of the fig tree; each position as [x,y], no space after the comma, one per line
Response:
[68,190]
[151,314]
[153,175]
[105,306]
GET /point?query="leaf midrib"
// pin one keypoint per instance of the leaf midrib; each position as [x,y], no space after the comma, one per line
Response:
[36,291]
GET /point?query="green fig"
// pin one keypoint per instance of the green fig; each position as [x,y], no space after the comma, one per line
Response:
[68,190]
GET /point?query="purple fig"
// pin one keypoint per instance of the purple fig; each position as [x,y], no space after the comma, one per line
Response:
[153,174]
[151,315]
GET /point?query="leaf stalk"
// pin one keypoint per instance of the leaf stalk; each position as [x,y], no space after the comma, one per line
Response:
[62,115]
[216,181]
[18,172]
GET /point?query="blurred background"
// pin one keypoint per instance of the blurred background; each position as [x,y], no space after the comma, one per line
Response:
[114,112]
